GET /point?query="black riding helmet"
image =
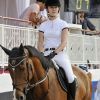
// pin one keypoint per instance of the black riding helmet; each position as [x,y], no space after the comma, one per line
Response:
[43,1]
[52,3]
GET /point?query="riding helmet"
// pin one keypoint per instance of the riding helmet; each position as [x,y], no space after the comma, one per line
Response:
[52,3]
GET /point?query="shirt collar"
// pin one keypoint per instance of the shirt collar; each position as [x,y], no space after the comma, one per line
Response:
[54,19]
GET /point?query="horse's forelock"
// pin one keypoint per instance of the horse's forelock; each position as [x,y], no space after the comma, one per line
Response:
[15,49]
[15,52]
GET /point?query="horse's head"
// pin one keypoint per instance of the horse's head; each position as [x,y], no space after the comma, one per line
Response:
[21,70]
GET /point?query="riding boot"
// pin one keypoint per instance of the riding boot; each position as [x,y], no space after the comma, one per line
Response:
[72,90]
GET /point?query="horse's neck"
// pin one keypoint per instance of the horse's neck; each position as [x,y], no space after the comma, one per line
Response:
[39,74]
[39,71]
[46,90]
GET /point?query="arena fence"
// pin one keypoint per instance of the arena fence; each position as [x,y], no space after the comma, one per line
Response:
[80,47]
[13,36]
[83,48]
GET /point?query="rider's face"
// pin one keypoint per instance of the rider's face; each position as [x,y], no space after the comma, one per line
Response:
[53,10]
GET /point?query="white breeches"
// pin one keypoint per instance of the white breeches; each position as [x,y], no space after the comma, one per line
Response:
[62,60]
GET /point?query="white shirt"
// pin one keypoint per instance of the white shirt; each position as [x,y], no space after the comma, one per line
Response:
[52,30]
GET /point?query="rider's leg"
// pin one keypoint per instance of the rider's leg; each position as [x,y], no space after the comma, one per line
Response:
[72,89]
[63,60]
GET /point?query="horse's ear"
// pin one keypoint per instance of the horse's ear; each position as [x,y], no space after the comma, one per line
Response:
[21,48]
[7,51]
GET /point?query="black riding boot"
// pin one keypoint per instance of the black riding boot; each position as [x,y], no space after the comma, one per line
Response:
[72,90]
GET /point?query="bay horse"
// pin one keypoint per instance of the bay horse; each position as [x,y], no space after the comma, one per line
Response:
[34,76]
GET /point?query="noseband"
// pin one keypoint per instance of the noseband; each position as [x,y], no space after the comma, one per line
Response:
[28,85]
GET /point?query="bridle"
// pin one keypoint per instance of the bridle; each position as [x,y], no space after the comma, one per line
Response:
[28,85]
[13,66]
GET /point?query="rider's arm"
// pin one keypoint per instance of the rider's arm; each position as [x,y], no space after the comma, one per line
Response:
[63,44]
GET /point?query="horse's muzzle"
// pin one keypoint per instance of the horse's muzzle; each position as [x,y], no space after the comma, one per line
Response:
[20,95]
[21,98]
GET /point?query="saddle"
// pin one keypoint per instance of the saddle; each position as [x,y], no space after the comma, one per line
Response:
[61,76]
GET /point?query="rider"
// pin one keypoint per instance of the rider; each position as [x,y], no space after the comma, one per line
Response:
[52,41]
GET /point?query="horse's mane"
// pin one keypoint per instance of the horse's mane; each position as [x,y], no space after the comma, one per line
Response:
[34,52]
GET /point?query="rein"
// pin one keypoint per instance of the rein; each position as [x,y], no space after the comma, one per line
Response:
[39,82]
[30,86]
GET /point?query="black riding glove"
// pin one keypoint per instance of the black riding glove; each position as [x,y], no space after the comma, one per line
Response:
[52,54]
[42,53]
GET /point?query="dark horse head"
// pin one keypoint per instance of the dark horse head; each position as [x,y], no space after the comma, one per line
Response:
[22,70]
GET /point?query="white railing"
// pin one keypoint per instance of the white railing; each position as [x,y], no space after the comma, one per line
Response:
[83,47]
[12,36]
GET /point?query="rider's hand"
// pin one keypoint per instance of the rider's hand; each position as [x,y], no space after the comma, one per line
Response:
[42,53]
[52,55]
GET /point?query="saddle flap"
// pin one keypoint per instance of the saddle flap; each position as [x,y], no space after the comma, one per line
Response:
[61,76]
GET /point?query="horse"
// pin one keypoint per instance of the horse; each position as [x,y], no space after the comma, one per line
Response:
[34,76]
